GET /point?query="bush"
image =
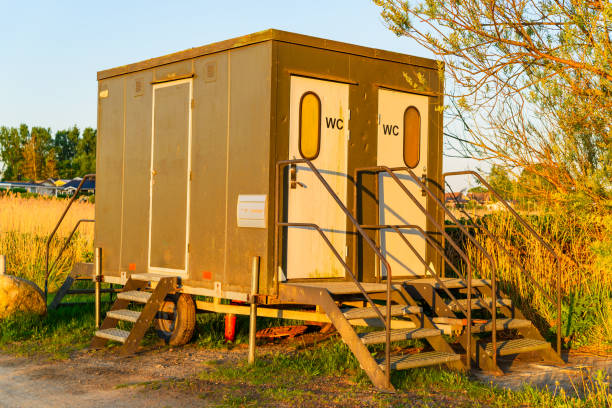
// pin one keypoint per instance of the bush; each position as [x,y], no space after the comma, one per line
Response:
[584,243]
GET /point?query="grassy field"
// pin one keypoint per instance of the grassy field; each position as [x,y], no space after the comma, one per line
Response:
[584,243]
[293,374]
[25,224]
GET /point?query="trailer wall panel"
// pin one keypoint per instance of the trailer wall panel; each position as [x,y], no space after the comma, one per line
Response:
[136,172]
[109,172]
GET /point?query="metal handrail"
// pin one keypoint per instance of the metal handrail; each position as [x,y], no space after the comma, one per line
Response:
[424,187]
[386,320]
[538,237]
[57,225]
[61,251]
[503,248]
[398,228]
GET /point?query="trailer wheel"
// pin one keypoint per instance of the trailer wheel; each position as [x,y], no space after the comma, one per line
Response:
[175,322]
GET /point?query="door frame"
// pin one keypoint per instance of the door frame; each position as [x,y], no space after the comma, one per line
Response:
[169,271]
[384,236]
[343,227]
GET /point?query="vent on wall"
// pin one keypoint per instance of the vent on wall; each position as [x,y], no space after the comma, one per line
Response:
[210,71]
[138,87]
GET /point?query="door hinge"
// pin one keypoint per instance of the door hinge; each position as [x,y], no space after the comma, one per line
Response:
[192,103]
[189,248]
[190,175]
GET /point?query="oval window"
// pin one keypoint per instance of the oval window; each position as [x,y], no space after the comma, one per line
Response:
[310,125]
[412,137]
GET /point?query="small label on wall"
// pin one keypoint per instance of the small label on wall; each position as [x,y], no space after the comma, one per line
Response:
[252,210]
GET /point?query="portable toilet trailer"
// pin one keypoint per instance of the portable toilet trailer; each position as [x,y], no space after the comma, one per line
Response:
[312,165]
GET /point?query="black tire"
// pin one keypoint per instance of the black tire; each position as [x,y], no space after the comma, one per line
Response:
[175,322]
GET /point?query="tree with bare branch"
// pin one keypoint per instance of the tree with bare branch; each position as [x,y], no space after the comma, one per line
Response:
[529,85]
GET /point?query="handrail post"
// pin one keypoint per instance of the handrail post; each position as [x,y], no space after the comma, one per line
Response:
[97,282]
[558,308]
[276,263]
[253,301]
[468,326]
[388,331]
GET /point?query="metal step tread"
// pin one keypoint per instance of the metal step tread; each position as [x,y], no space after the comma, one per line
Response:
[477,303]
[135,296]
[345,288]
[502,324]
[124,314]
[113,334]
[516,346]
[451,283]
[402,362]
[378,337]
[82,270]
[370,312]
[147,277]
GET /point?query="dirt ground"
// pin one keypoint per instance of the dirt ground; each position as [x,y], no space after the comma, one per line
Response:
[162,377]
[102,379]
[572,376]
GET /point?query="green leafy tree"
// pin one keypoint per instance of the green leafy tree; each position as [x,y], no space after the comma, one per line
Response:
[529,84]
[501,182]
[12,141]
[35,154]
[66,143]
[38,144]
[85,159]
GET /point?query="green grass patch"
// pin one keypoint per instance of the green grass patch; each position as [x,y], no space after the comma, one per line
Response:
[285,376]
[56,335]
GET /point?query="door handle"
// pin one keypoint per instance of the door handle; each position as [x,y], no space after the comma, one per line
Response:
[424,181]
[293,176]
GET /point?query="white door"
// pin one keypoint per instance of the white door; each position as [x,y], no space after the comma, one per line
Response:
[402,142]
[170,167]
[319,132]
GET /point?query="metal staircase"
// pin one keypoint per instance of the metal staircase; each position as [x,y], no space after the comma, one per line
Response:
[137,291]
[331,295]
[449,301]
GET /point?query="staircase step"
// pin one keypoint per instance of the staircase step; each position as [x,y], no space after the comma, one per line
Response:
[517,346]
[378,337]
[451,283]
[477,303]
[147,277]
[83,270]
[502,324]
[429,358]
[124,314]
[346,288]
[113,334]
[135,296]
[370,312]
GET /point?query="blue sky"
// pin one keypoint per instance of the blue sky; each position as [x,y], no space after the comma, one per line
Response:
[50,51]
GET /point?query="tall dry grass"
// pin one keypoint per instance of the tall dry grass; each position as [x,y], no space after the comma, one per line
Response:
[584,270]
[25,224]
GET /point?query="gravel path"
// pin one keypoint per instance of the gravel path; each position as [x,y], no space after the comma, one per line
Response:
[103,379]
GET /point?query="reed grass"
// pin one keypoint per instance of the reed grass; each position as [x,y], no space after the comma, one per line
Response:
[25,224]
[583,269]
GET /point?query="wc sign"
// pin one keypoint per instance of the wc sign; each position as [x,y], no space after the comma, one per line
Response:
[390,130]
[334,123]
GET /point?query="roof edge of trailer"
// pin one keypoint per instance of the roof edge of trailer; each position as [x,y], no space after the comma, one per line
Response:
[267,35]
